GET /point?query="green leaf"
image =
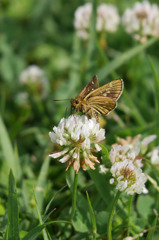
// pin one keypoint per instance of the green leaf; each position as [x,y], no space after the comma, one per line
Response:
[13,222]
[123,58]
[102,184]
[102,219]
[81,219]
[144,205]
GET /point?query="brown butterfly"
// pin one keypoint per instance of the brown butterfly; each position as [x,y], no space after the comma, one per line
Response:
[94,100]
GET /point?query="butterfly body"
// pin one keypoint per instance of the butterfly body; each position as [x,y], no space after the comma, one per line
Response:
[94,100]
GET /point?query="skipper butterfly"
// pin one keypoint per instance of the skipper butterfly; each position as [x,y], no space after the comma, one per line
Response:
[94,100]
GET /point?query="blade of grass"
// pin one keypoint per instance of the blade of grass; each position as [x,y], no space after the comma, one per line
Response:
[123,58]
[134,110]
[35,232]
[93,220]
[49,204]
[151,232]
[92,48]
[44,232]
[8,152]
[156,95]
[13,221]
[41,183]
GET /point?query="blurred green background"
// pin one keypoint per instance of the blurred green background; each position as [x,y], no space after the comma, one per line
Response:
[41,32]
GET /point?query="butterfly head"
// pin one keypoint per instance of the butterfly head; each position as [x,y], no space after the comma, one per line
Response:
[75,102]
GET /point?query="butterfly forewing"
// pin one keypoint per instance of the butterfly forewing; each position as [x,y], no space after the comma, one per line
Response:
[91,86]
[112,90]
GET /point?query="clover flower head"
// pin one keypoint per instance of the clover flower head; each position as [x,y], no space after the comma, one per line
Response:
[119,153]
[128,177]
[142,20]
[82,20]
[131,141]
[137,142]
[79,137]
[107,19]
[35,76]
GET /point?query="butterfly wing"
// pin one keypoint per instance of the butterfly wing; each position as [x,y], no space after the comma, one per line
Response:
[91,86]
[101,105]
[111,90]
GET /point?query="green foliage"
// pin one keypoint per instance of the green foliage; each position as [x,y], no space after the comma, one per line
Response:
[13,221]
[34,204]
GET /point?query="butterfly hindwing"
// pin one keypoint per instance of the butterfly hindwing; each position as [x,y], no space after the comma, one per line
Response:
[102,105]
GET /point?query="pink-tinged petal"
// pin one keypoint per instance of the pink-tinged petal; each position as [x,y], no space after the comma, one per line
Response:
[56,155]
[76,166]
[89,163]
[93,158]
[64,159]
[69,164]
[59,154]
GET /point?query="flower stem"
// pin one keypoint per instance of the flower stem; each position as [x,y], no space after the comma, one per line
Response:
[109,228]
[129,211]
[74,194]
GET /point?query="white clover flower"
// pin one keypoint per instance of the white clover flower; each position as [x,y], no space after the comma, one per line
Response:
[82,20]
[119,153]
[128,177]
[136,142]
[155,156]
[79,137]
[34,76]
[142,20]
[107,19]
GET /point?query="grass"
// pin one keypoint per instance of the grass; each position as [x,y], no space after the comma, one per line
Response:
[39,200]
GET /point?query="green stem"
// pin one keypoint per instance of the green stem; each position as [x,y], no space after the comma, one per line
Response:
[109,228]
[129,211]
[74,195]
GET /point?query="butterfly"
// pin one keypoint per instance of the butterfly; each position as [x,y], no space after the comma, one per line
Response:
[94,100]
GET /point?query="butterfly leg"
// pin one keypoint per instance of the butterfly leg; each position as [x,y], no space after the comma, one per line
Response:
[92,114]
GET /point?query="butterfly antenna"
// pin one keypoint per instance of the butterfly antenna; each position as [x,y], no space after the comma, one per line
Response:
[58,100]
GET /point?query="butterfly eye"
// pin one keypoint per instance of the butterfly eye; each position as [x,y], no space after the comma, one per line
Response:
[77,102]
